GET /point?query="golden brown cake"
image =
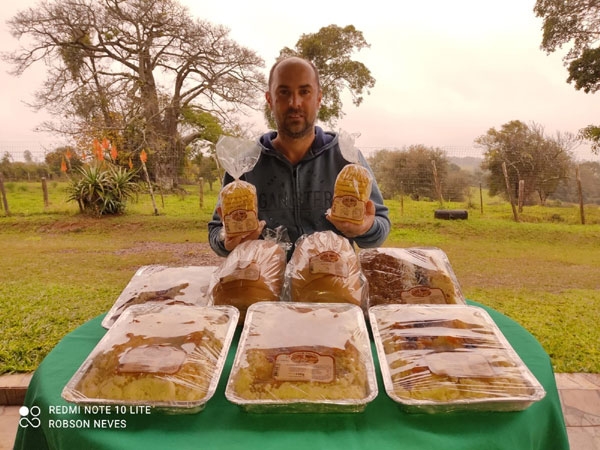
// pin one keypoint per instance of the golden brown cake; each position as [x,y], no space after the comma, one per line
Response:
[239,207]
[351,193]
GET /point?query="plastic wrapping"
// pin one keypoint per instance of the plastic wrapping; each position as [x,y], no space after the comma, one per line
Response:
[353,184]
[254,271]
[238,200]
[303,357]
[324,268]
[157,283]
[441,358]
[412,275]
[169,357]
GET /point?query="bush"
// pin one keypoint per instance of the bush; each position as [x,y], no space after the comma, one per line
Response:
[103,188]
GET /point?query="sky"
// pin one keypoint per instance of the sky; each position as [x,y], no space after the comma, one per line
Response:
[446,72]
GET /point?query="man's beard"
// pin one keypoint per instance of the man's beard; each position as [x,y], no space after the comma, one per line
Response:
[295,132]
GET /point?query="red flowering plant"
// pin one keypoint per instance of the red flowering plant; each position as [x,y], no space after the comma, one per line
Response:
[102,187]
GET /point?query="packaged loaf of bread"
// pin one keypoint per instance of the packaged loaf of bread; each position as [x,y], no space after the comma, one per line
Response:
[353,184]
[324,268]
[253,272]
[443,358]
[409,275]
[238,202]
[158,283]
[303,357]
[169,357]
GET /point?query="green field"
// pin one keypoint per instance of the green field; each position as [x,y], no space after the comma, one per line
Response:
[58,269]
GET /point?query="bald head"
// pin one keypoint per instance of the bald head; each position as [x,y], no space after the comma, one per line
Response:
[293,60]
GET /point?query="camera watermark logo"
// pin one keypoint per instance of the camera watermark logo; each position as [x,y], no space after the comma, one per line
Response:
[29,417]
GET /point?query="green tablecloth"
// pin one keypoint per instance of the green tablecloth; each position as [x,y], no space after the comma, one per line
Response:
[222,425]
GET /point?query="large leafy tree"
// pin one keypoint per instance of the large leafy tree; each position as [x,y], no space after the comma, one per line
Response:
[575,23]
[129,69]
[540,162]
[331,49]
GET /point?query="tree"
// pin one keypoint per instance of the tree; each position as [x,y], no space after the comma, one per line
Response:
[540,162]
[330,50]
[128,69]
[409,171]
[577,23]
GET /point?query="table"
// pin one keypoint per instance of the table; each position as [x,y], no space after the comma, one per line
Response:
[222,425]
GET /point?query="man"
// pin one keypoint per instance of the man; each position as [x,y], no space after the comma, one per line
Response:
[296,172]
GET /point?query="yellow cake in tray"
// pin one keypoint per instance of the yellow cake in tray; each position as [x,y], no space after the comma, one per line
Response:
[167,356]
[440,358]
[303,357]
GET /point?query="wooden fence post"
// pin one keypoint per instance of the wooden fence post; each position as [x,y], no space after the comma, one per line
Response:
[438,185]
[3,194]
[45,191]
[580,194]
[508,191]
[521,194]
[201,192]
[480,198]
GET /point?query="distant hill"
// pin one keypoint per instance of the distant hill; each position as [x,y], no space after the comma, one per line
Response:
[469,163]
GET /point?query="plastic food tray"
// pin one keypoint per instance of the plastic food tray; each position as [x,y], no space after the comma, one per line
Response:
[441,358]
[156,283]
[169,357]
[303,357]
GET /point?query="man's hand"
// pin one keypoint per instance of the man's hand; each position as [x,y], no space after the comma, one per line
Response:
[231,242]
[352,230]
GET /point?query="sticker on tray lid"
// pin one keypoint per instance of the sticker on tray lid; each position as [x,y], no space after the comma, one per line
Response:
[304,366]
[459,364]
[151,359]
[328,262]
[243,270]
[423,294]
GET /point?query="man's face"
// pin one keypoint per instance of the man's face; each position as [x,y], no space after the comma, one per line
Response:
[294,98]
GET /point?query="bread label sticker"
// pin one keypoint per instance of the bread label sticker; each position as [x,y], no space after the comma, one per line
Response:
[423,294]
[328,262]
[348,207]
[243,270]
[240,221]
[151,359]
[459,364]
[304,366]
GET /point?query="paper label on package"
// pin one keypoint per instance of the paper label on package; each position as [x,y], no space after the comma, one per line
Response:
[243,270]
[304,366]
[423,294]
[151,359]
[329,262]
[348,207]
[459,364]
[240,221]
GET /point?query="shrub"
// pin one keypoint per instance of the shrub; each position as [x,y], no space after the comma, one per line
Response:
[103,188]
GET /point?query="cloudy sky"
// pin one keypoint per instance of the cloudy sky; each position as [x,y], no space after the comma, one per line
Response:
[445,71]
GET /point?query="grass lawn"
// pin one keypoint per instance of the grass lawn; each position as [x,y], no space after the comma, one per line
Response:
[59,269]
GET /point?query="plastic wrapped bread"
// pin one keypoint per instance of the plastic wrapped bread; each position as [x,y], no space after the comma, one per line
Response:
[351,193]
[353,184]
[239,208]
[324,268]
[254,271]
[410,275]
[441,358]
[158,283]
[303,357]
[166,356]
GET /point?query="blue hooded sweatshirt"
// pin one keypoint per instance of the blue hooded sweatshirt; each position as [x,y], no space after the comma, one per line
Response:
[297,197]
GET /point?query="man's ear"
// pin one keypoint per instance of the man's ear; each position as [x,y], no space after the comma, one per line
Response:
[268,98]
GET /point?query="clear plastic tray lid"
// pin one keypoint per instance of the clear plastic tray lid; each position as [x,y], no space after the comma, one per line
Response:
[158,283]
[164,356]
[303,353]
[437,358]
